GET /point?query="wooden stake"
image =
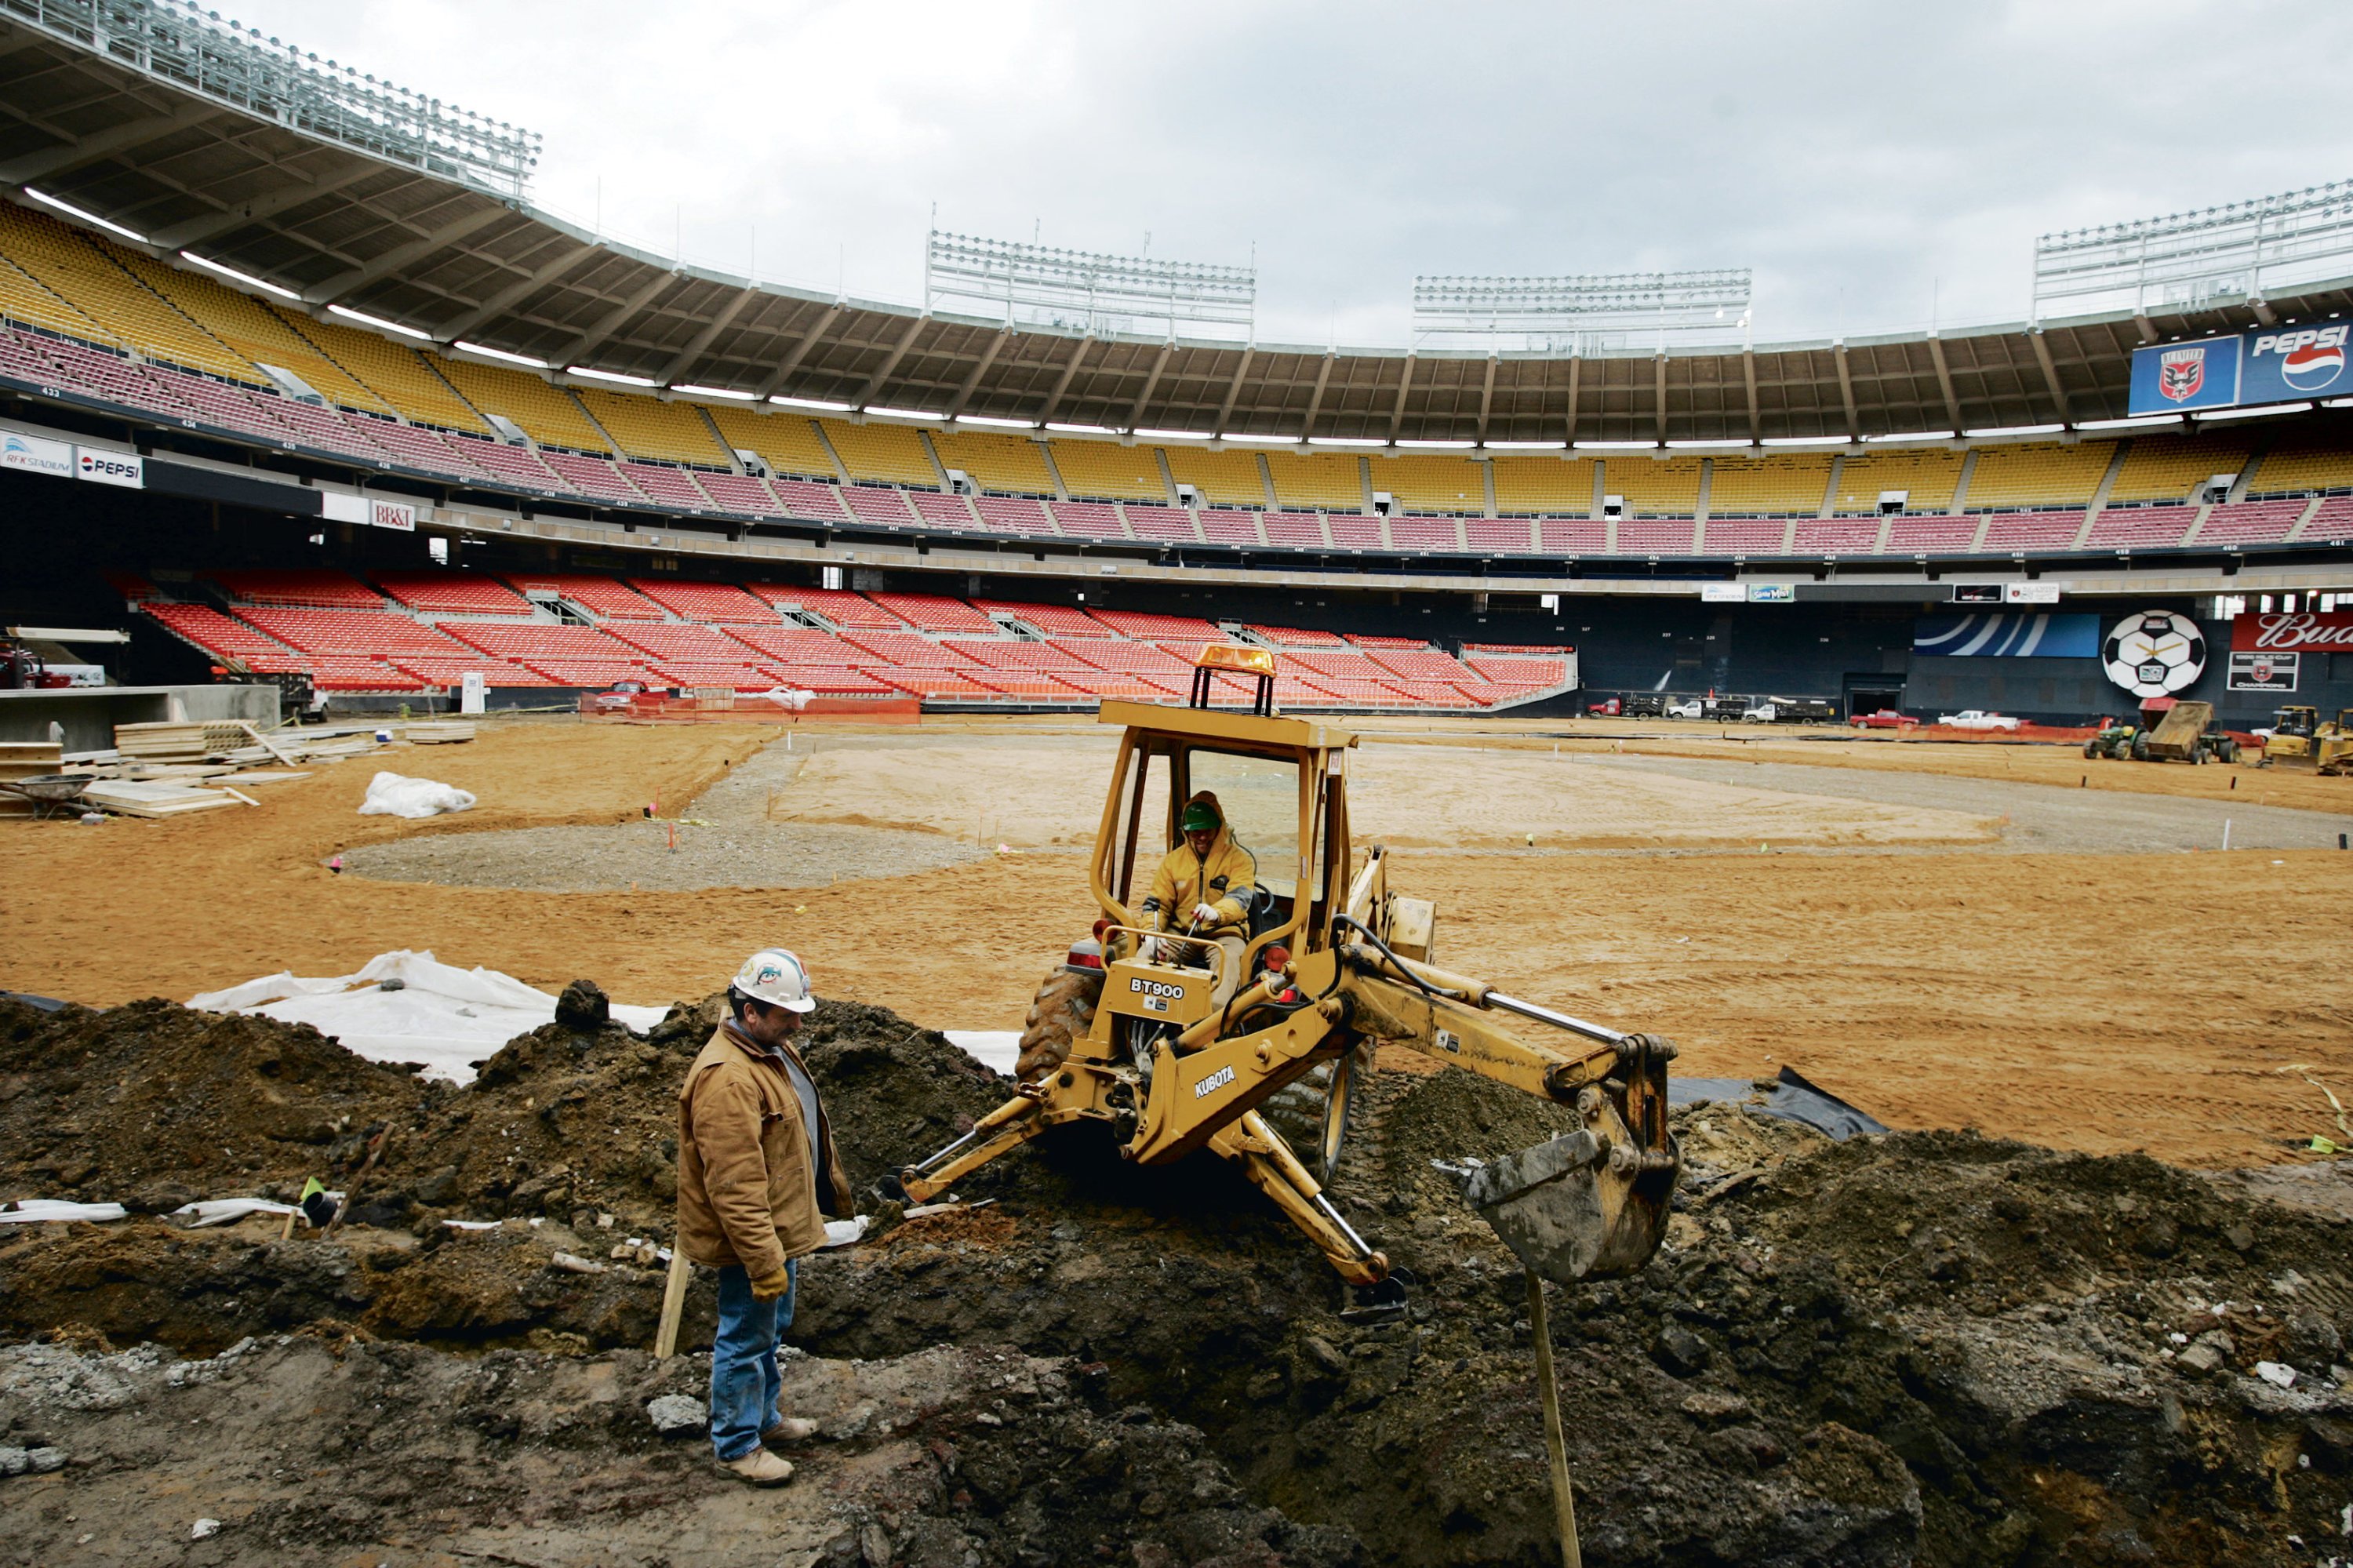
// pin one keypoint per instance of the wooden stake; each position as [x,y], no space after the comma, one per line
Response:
[673,1303]
[375,1151]
[1563,1505]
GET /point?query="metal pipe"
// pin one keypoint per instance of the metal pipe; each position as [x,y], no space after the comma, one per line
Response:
[1557,1020]
[929,1161]
[1324,1206]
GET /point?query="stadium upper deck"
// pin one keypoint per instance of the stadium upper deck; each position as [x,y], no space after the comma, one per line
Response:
[765,404]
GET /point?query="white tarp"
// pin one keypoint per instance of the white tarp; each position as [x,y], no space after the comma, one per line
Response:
[392,795]
[38,1210]
[995,1049]
[446,1018]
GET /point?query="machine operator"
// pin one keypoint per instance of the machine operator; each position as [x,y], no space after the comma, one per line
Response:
[1204,888]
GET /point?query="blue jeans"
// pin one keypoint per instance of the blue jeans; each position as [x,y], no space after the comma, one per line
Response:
[743,1381]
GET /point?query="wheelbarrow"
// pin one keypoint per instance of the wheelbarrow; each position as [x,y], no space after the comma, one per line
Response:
[50,793]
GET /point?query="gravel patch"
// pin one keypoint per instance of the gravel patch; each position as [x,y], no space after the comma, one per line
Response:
[725,839]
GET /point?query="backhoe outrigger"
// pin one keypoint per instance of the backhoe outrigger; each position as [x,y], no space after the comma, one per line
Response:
[1135,1039]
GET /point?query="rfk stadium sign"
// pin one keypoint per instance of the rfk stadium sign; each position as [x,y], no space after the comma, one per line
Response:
[2285,633]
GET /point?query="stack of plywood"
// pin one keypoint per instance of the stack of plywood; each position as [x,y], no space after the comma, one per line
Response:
[26,759]
[443,732]
[175,742]
[156,798]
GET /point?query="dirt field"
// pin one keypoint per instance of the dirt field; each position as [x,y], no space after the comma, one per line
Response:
[2097,1002]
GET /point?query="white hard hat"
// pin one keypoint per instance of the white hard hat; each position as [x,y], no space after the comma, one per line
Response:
[774,976]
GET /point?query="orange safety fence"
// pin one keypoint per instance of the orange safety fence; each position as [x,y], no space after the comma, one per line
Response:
[648,707]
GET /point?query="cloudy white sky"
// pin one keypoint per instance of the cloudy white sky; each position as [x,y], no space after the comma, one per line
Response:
[1872,160]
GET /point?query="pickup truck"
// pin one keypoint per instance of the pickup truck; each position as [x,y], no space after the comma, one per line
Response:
[1609,708]
[1885,718]
[1689,708]
[1644,705]
[1976,718]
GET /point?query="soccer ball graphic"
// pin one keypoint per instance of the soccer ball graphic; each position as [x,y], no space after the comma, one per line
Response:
[2155,654]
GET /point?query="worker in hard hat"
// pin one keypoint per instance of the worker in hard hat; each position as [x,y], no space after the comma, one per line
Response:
[1204,888]
[757,1173]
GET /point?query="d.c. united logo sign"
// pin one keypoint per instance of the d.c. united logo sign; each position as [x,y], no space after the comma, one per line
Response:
[2181,372]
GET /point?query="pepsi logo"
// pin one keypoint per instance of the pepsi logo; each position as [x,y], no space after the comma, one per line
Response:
[2312,367]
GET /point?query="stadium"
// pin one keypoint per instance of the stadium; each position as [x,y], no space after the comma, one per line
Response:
[1806,702]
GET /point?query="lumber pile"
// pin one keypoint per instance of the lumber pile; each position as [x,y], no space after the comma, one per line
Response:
[157,797]
[26,759]
[437,732]
[177,742]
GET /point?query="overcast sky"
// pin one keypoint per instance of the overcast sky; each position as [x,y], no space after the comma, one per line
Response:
[1871,160]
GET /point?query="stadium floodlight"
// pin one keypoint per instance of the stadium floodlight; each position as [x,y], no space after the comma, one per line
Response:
[2193,259]
[1912,436]
[1805,441]
[188,49]
[234,276]
[1616,446]
[1436,446]
[1585,311]
[2015,430]
[379,323]
[86,216]
[1708,445]
[1527,446]
[487,352]
[1243,438]
[990,421]
[1355,443]
[1038,285]
[878,411]
[2136,422]
[614,377]
[821,405]
[1177,435]
[1081,429]
[730,393]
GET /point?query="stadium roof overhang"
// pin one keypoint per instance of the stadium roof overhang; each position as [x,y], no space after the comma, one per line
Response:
[456,261]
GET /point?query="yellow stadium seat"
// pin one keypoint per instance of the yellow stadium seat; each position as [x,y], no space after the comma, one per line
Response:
[1434,484]
[2303,462]
[1559,486]
[1771,484]
[1332,480]
[1929,475]
[1009,464]
[2042,474]
[2166,468]
[787,443]
[25,298]
[882,454]
[1653,487]
[647,427]
[83,272]
[1105,471]
[1229,478]
[547,413]
[395,373]
[254,330]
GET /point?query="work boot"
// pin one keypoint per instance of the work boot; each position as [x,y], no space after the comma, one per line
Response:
[790,1429]
[760,1467]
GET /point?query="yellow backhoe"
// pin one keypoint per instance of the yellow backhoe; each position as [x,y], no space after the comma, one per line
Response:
[1129,1030]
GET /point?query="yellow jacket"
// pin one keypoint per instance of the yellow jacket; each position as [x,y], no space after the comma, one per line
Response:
[1224,878]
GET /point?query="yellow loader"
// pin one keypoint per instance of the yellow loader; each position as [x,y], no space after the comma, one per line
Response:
[2302,743]
[1129,1032]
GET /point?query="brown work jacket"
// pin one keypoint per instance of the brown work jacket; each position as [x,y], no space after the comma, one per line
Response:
[747,1184]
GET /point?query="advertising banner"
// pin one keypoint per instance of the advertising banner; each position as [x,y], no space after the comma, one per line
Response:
[2285,364]
[1772,593]
[129,470]
[2264,671]
[31,454]
[2327,630]
[2172,378]
[2000,634]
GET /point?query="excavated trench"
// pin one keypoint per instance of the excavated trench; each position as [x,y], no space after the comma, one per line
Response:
[1923,1348]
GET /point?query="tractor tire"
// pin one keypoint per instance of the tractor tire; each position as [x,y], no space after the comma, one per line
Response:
[2091,748]
[1059,1015]
[1297,1110]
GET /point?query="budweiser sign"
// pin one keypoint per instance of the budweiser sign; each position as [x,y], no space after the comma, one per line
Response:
[2283,633]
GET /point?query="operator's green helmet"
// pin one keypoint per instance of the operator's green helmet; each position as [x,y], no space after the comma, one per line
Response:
[1201,817]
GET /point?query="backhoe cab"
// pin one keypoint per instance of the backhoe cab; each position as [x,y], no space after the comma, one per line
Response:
[1129,1032]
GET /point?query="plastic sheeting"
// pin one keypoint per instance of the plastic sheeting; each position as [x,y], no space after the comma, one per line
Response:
[445,1018]
[993,1049]
[1790,1097]
[392,795]
[36,1211]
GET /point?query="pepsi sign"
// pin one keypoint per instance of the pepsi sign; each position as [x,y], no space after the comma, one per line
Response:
[2287,364]
[2293,362]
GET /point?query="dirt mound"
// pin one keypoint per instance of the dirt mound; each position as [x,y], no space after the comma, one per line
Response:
[148,1103]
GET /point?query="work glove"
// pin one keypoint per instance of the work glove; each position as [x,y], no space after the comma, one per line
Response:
[768,1286]
[1148,949]
[1206,915]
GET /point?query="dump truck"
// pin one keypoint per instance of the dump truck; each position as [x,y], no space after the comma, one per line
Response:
[1129,1033]
[2300,741]
[2185,735]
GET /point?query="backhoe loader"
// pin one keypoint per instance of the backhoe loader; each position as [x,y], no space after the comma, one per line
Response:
[1128,1032]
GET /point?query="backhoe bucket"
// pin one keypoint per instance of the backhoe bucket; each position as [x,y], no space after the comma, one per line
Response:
[1572,1211]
